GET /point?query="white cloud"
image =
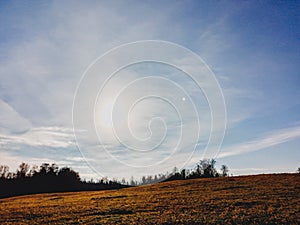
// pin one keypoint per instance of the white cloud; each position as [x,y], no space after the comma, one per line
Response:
[268,140]
[11,120]
[40,74]
[42,67]
[52,137]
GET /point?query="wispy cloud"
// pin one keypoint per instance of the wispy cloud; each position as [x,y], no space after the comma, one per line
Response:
[268,140]
[45,47]
[52,137]
[11,120]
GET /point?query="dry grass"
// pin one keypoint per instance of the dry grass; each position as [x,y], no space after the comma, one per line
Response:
[261,199]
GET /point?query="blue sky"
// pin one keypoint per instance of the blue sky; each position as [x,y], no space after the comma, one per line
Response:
[253,49]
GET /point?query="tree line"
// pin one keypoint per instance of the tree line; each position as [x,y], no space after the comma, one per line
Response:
[205,168]
[47,178]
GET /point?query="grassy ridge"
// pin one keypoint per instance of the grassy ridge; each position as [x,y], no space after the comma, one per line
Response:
[260,199]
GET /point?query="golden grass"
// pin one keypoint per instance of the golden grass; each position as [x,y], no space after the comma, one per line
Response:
[260,199]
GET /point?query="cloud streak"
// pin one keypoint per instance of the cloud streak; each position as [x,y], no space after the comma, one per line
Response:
[53,137]
[45,47]
[272,139]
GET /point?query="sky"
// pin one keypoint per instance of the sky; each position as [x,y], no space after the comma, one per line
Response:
[50,65]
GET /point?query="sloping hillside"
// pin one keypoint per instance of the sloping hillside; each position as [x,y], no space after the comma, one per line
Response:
[268,199]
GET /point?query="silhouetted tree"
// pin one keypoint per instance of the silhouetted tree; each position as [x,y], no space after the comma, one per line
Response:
[67,175]
[224,170]
[132,181]
[143,180]
[155,178]
[206,168]
[33,170]
[175,170]
[149,179]
[182,173]
[44,168]
[23,170]
[4,171]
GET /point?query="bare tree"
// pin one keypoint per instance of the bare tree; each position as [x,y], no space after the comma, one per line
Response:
[183,173]
[123,180]
[132,181]
[144,180]
[3,171]
[206,168]
[224,170]
[149,179]
[23,170]
[175,170]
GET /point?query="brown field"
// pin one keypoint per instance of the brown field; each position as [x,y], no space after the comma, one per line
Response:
[260,199]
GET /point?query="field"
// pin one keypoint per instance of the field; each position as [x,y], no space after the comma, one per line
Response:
[260,199]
